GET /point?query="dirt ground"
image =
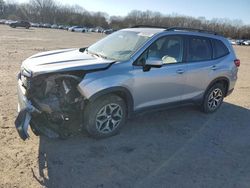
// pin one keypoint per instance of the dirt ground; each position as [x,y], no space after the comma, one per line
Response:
[174,148]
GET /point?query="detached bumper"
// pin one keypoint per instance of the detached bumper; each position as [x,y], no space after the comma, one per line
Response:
[25,109]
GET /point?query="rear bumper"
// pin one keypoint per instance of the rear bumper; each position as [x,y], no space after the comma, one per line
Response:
[25,109]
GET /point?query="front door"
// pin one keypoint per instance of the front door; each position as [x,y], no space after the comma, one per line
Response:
[160,85]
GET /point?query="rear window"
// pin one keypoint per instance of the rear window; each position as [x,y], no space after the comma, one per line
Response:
[220,49]
[199,49]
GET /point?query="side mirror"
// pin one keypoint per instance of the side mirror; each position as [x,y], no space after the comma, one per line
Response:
[152,62]
[156,63]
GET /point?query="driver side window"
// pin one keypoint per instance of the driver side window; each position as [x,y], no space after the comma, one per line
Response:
[167,49]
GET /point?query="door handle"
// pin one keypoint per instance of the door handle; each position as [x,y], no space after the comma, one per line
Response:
[214,67]
[180,71]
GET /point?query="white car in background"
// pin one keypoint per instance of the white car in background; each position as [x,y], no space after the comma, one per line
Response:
[8,22]
[233,42]
[35,24]
[54,26]
[246,42]
[2,21]
[77,29]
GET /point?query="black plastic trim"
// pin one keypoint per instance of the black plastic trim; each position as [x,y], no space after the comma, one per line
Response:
[166,106]
[116,90]
[216,80]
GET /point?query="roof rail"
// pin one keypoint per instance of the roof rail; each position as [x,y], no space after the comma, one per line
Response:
[149,26]
[190,29]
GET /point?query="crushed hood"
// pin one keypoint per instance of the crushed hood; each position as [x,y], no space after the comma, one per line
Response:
[63,60]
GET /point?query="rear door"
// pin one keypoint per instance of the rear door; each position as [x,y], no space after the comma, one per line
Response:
[199,66]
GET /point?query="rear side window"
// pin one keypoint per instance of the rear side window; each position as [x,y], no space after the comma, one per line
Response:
[220,49]
[199,49]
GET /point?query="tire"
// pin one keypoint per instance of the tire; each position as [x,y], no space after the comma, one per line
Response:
[213,98]
[105,116]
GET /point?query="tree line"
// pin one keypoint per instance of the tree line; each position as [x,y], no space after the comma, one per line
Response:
[50,11]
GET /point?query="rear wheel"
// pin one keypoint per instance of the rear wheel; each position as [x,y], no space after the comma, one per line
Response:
[213,98]
[105,116]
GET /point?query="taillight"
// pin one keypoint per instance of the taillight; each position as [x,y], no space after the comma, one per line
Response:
[237,62]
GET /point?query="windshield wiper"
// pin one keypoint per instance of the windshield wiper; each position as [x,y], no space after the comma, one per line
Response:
[103,56]
[95,54]
[98,55]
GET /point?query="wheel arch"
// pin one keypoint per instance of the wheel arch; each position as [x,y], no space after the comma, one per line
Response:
[120,91]
[223,80]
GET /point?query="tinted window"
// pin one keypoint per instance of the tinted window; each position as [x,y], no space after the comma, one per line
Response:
[168,49]
[199,49]
[220,49]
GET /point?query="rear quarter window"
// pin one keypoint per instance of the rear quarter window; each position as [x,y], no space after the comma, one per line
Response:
[219,49]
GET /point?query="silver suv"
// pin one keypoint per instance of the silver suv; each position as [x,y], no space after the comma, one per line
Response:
[131,70]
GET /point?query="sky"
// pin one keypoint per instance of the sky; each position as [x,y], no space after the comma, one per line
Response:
[230,9]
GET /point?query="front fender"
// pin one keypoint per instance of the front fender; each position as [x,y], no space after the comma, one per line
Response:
[89,88]
[116,79]
[113,84]
[117,75]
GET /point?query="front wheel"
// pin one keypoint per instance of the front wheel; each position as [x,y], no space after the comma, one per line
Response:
[105,116]
[213,98]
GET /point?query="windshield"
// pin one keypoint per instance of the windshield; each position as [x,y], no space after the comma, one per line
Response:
[119,46]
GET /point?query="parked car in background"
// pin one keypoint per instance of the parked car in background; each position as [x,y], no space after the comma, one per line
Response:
[99,30]
[246,42]
[24,24]
[54,26]
[77,29]
[64,27]
[35,24]
[61,27]
[2,21]
[8,22]
[233,42]
[46,25]
[91,30]
[108,31]
[239,42]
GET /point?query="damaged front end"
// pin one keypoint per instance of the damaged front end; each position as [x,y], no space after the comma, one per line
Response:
[50,104]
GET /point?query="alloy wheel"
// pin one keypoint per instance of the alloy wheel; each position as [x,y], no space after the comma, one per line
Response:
[109,117]
[215,99]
